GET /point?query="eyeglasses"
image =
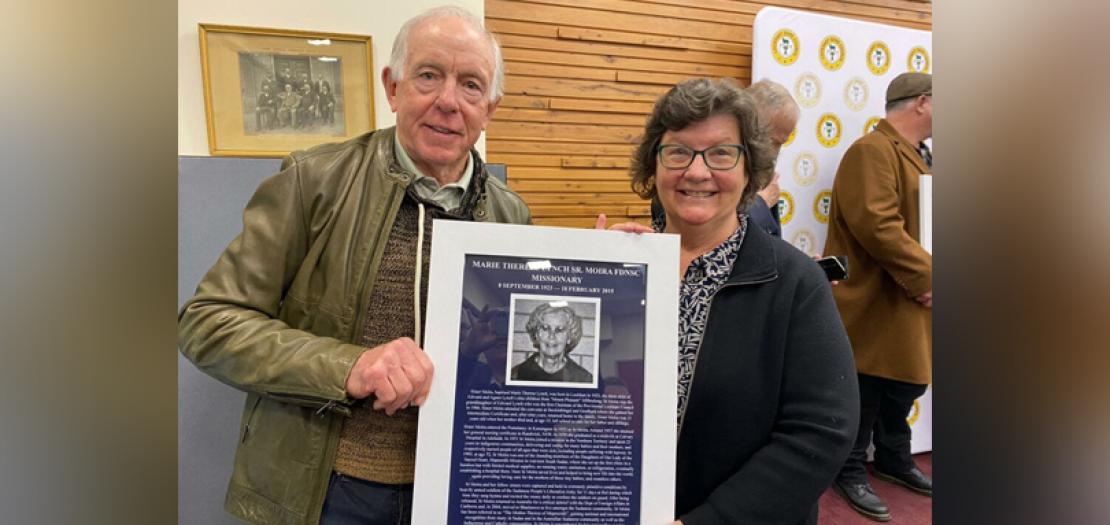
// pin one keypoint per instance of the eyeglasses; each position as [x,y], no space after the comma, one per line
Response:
[719,157]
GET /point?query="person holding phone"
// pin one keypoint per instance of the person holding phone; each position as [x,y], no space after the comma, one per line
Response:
[887,304]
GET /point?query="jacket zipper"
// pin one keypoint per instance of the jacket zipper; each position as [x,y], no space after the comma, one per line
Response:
[697,352]
[332,444]
[311,402]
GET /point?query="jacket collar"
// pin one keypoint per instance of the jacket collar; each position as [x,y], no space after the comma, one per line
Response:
[387,163]
[903,146]
[757,260]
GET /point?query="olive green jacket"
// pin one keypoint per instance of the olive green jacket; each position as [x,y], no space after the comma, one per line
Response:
[278,314]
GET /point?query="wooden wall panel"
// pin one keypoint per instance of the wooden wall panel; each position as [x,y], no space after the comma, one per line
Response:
[582,76]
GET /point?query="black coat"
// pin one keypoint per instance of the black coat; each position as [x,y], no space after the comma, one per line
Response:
[774,402]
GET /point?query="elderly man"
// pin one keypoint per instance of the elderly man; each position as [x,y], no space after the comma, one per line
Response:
[779,113]
[305,308]
[886,304]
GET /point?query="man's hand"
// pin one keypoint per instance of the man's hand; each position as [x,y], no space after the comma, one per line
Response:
[628,227]
[925,299]
[398,373]
[770,193]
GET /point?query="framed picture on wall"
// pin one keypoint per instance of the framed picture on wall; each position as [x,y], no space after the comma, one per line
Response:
[268,92]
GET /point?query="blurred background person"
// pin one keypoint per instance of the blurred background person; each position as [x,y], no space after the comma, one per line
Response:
[887,304]
[779,113]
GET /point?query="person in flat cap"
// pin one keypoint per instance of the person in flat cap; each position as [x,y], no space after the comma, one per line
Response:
[887,304]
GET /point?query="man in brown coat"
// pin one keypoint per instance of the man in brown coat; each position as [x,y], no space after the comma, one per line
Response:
[886,304]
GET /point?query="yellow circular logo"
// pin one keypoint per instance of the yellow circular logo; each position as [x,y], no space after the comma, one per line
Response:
[869,126]
[784,46]
[786,206]
[918,60]
[821,206]
[807,90]
[878,57]
[805,169]
[855,94]
[790,138]
[804,241]
[832,53]
[828,130]
[915,414]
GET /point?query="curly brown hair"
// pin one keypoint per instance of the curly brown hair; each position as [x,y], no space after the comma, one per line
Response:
[695,100]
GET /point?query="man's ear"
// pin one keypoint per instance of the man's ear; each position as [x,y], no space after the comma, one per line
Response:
[390,88]
[919,104]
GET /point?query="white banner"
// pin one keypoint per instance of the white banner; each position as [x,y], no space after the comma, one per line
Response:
[838,70]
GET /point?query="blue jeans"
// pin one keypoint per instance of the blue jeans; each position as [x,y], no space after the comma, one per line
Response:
[353,501]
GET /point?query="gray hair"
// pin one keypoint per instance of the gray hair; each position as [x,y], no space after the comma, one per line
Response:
[695,100]
[401,45]
[533,324]
[772,99]
[896,105]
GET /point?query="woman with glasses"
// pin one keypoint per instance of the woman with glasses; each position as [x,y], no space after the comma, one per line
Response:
[555,331]
[767,395]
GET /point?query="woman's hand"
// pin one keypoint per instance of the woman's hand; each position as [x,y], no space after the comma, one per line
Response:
[628,227]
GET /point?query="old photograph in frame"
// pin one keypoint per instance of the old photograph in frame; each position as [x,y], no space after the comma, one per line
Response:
[268,92]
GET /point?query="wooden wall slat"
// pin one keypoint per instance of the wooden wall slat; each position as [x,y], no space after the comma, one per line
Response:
[596,162]
[571,88]
[669,79]
[523,101]
[563,132]
[613,62]
[585,48]
[605,106]
[582,76]
[500,145]
[557,161]
[559,15]
[538,68]
[581,210]
[894,10]
[625,197]
[558,174]
[568,186]
[621,37]
[637,7]
[515,160]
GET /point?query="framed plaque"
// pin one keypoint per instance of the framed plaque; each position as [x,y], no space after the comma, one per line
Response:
[553,399]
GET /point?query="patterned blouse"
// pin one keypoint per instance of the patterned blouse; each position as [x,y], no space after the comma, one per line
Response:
[703,278]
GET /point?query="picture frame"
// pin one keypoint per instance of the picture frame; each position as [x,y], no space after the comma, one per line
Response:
[268,92]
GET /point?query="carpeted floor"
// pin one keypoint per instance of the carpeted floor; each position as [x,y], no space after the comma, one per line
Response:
[906,507]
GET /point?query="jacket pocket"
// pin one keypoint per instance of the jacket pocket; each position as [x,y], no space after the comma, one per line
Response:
[248,417]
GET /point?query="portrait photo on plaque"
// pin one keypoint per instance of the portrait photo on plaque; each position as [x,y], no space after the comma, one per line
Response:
[554,340]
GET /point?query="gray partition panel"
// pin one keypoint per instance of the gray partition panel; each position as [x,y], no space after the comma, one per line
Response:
[211,195]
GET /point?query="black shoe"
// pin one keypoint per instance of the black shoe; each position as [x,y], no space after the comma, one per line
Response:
[863,500]
[912,479]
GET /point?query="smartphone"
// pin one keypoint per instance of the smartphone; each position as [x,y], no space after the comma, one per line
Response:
[835,267]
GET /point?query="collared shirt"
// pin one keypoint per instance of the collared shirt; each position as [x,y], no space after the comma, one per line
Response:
[704,277]
[450,195]
[926,154]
